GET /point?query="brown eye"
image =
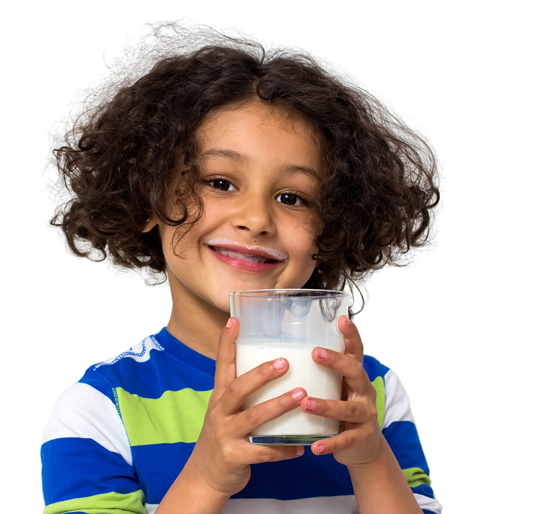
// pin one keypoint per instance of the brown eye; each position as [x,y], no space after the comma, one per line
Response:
[221,184]
[289,199]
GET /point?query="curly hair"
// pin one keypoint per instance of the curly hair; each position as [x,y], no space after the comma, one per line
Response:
[124,157]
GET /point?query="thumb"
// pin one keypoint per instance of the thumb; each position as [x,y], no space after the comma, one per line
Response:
[226,359]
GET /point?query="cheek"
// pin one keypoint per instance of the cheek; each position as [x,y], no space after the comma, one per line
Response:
[303,237]
[214,211]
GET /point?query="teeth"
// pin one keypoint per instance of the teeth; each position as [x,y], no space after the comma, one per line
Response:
[236,255]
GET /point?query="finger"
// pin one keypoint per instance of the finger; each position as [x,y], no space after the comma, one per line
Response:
[226,358]
[259,453]
[240,388]
[333,444]
[361,411]
[345,440]
[350,368]
[259,414]
[352,339]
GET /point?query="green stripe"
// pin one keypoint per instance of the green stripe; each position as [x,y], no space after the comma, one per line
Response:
[416,477]
[112,503]
[378,384]
[175,417]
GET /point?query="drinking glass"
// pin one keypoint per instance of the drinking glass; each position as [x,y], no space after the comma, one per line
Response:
[289,323]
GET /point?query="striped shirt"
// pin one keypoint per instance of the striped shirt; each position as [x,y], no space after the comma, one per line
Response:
[119,437]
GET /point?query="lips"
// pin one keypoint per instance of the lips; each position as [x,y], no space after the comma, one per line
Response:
[251,258]
[245,256]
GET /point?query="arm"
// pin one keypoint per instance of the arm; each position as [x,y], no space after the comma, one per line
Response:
[220,463]
[378,482]
[380,486]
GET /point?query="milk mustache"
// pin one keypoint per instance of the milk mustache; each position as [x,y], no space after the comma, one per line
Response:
[319,382]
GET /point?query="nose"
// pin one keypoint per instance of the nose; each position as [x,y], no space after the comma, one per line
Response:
[253,214]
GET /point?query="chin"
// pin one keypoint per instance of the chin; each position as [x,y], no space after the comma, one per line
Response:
[221,302]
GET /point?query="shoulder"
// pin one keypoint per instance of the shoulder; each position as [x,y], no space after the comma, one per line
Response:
[383,378]
[126,370]
[88,409]
[379,372]
[139,353]
[122,366]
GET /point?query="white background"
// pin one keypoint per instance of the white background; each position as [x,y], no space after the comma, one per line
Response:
[461,325]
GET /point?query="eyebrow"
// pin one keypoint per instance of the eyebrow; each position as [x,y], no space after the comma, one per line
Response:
[237,157]
[228,154]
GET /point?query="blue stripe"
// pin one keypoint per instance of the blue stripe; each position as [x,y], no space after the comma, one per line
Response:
[424,490]
[321,476]
[185,355]
[404,442]
[94,380]
[159,465]
[166,369]
[75,468]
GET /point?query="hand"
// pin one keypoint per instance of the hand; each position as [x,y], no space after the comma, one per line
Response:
[361,441]
[223,454]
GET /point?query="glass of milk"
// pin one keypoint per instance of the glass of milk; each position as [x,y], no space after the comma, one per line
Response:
[289,323]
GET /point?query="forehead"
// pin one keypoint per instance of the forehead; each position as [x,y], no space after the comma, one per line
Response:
[254,129]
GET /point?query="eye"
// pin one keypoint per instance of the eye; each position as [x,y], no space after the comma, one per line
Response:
[221,184]
[289,199]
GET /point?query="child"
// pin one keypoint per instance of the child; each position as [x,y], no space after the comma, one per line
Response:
[231,168]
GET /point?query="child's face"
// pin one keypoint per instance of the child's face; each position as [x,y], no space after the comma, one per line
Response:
[260,169]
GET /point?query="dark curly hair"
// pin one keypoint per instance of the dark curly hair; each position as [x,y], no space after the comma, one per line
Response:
[124,157]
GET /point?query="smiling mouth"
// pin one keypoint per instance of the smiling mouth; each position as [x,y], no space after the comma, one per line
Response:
[254,253]
[244,256]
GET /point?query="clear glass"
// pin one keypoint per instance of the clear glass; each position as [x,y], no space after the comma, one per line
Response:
[289,323]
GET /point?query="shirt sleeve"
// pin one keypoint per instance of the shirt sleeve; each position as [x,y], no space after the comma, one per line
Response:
[400,432]
[86,457]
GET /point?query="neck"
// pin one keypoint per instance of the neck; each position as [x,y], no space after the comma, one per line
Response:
[195,322]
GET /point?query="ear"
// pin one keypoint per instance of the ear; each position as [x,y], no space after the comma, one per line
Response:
[152,221]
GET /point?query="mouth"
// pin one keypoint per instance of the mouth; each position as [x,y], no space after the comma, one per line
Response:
[246,257]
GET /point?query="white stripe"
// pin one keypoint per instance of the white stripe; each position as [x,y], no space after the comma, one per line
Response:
[324,504]
[84,412]
[398,408]
[341,504]
[321,505]
[428,503]
[397,405]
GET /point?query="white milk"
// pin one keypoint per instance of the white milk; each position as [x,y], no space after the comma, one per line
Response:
[319,382]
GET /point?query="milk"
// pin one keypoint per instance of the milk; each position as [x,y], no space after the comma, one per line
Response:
[318,381]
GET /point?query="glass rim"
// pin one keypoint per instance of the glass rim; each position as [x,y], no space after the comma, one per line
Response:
[287,293]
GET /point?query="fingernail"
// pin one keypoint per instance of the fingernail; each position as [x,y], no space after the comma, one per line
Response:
[348,322]
[320,448]
[297,395]
[311,404]
[300,451]
[229,323]
[322,353]
[279,363]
